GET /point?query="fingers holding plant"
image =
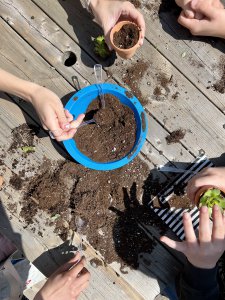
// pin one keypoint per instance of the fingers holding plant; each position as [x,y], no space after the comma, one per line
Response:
[109,12]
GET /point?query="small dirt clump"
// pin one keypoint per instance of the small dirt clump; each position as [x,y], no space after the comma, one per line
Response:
[175,136]
[219,86]
[114,134]
[181,201]
[126,37]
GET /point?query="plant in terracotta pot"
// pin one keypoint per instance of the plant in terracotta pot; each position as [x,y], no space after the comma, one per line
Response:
[125,38]
[210,196]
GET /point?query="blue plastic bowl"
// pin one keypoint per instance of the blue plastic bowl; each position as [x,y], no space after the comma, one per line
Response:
[79,103]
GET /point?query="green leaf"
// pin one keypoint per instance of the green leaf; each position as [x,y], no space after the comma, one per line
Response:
[28,149]
[100,47]
[55,217]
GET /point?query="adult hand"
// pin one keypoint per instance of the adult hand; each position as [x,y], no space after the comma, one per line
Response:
[208,176]
[108,12]
[66,283]
[209,18]
[205,251]
[52,114]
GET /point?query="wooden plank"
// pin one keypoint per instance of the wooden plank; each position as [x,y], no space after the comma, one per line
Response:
[173,113]
[201,55]
[38,34]
[30,22]
[35,57]
[11,117]
[46,252]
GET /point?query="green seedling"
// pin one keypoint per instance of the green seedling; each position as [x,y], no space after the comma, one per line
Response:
[28,149]
[100,47]
[212,197]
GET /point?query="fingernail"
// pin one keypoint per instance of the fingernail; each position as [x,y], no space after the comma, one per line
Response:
[186,215]
[51,135]
[216,207]
[67,126]
[204,209]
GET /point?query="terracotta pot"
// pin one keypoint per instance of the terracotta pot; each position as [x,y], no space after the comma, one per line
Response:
[202,190]
[124,53]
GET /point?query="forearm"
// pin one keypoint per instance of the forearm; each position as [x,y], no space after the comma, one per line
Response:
[16,86]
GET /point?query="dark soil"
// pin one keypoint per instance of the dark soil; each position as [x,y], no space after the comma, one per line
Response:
[127,37]
[133,76]
[175,136]
[114,134]
[16,182]
[23,135]
[181,201]
[105,202]
[219,86]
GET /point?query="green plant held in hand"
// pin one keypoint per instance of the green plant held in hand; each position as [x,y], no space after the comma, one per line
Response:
[212,197]
[100,47]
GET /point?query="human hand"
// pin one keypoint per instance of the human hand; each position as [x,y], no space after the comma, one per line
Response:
[209,18]
[52,115]
[66,283]
[208,176]
[204,251]
[109,12]
[186,7]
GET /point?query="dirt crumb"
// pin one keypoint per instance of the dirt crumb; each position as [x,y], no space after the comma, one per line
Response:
[175,136]
[16,182]
[219,86]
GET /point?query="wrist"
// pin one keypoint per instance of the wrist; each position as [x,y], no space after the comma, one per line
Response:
[31,90]
[93,4]
[204,265]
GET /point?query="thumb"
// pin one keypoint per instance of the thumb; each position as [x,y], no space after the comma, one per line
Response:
[179,246]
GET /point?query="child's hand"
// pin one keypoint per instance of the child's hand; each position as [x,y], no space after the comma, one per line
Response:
[186,7]
[208,176]
[52,114]
[205,251]
[109,12]
[65,283]
[209,18]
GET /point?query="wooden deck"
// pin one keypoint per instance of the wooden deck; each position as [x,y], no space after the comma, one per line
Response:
[35,34]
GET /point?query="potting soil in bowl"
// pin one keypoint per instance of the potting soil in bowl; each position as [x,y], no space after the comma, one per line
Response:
[119,132]
[112,136]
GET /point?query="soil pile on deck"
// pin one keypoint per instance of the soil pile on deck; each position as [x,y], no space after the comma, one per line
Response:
[105,202]
[22,136]
[127,37]
[219,86]
[114,134]
[175,136]
[133,76]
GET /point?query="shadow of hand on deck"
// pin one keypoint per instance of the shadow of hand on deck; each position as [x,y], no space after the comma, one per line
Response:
[85,29]
[136,233]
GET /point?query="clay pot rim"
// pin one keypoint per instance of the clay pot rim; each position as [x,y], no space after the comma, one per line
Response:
[203,189]
[113,31]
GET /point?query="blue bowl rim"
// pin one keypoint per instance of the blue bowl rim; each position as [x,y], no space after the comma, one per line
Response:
[105,166]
